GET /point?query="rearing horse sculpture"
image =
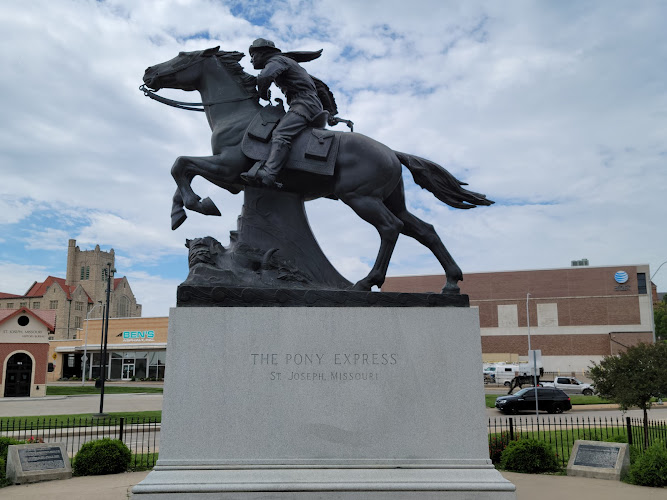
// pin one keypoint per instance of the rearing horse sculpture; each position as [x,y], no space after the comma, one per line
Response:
[367,174]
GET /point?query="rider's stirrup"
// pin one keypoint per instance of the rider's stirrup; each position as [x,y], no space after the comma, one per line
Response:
[251,175]
[258,176]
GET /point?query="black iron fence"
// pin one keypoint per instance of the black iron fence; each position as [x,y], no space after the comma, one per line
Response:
[141,435]
[561,432]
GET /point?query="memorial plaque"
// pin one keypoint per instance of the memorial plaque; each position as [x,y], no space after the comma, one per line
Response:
[597,456]
[29,463]
[598,459]
[41,458]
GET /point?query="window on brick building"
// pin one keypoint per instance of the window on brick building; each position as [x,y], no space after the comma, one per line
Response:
[641,283]
[35,305]
[78,306]
[508,316]
[77,321]
[87,272]
[10,305]
[53,304]
[547,314]
[23,304]
[83,272]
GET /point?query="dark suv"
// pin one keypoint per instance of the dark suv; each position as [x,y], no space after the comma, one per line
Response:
[550,400]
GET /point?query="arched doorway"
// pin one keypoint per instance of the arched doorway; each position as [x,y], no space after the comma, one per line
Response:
[18,376]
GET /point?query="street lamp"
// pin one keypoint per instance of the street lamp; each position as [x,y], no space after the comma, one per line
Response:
[85,345]
[656,271]
[537,412]
[110,273]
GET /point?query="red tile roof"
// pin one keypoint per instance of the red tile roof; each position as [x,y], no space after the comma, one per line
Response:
[39,289]
[4,295]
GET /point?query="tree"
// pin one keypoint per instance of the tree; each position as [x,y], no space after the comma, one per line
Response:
[633,377]
[660,319]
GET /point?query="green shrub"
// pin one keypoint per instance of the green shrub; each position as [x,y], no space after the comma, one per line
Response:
[497,444]
[4,449]
[103,456]
[650,469]
[529,456]
[4,446]
[3,478]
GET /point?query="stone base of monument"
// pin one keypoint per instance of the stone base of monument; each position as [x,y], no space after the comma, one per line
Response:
[324,403]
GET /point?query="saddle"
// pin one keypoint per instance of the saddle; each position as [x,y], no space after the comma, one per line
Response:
[314,150]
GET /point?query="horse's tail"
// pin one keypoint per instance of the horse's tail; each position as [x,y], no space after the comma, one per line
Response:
[441,183]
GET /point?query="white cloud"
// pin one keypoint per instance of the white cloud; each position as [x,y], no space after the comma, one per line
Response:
[558,111]
[18,278]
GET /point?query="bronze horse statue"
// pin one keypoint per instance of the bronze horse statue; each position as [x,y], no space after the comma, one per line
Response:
[367,174]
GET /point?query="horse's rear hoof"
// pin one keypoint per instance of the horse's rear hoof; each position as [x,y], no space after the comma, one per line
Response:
[208,207]
[177,219]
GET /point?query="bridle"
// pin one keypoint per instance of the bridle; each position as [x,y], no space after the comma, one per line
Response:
[190,106]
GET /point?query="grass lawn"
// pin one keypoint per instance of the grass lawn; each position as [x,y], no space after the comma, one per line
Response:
[69,390]
[143,461]
[76,420]
[575,399]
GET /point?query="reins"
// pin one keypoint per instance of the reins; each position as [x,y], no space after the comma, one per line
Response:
[190,106]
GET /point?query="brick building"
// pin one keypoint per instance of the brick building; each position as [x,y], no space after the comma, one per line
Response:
[24,349]
[577,314]
[82,291]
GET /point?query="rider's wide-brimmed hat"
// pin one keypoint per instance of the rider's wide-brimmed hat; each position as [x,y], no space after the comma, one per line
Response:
[298,56]
[263,44]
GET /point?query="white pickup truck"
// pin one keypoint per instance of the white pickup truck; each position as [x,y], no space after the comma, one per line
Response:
[570,385]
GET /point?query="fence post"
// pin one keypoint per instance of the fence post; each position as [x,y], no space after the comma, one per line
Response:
[629,428]
[511,422]
[120,431]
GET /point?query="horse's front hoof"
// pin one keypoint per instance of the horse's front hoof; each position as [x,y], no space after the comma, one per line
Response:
[451,289]
[178,218]
[361,286]
[208,207]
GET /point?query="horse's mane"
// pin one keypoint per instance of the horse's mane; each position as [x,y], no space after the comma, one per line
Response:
[231,62]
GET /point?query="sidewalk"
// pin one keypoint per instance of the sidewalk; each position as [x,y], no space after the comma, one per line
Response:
[529,487]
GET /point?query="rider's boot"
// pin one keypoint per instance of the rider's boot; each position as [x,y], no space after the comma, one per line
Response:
[269,171]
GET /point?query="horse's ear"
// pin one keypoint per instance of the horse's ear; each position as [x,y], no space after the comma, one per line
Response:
[211,51]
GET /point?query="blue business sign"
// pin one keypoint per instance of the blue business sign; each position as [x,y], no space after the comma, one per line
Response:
[139,336]
[621,277]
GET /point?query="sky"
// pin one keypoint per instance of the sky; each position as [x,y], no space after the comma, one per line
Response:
[557,111]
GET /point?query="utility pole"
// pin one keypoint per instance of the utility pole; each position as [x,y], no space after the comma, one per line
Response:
[537,411]
[110,273]
[85,344]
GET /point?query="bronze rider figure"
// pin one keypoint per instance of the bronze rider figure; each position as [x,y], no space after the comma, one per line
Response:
[299,88]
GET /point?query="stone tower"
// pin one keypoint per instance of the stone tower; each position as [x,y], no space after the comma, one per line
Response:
[88,268]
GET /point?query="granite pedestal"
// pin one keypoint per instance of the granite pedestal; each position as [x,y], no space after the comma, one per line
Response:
[324,403]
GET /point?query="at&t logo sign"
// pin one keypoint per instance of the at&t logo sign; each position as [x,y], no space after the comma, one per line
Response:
[621,278]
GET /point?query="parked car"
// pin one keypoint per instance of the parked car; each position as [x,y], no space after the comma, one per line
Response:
[570,385]
[548,399]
